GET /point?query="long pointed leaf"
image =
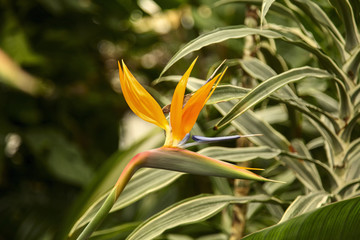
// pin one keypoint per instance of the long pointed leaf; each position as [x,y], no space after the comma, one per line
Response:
[227,93]
[305,203]
[257,69]
[336,221]
[266,88]
[277,32]
[343,7]
[188,211]
[346,134]
[301,149]
[352,65]
[217,36]
[318,16]
[240,154]
[118,232]
[276,7]
[248,123]
[264,9]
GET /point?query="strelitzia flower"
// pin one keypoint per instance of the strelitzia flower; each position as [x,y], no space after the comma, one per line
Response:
[171,156]
[182,117]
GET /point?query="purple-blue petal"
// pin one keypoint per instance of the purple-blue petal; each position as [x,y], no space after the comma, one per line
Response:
[185,139]
[202,139]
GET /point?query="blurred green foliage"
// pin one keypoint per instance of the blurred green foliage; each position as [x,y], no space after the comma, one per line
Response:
[60,108]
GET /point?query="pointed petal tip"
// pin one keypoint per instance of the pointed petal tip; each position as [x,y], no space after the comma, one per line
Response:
[253,135]
[249,168]
[274,181]
[202,139]
[263,179]
[176,108]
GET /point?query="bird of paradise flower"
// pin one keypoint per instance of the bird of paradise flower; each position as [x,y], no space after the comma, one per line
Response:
[171,156]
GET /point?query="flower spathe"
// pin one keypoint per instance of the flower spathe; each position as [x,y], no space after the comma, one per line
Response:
[182,117]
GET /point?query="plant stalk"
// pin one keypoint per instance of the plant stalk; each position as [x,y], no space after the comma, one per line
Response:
[124,178]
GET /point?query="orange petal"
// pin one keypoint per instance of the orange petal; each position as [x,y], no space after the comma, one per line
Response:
[139,100]
[196,103]
[176,109]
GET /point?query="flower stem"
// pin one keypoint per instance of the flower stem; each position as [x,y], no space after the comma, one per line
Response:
[124,178]
[100,216]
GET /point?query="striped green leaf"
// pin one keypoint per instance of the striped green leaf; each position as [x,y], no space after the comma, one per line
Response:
[352,65]
[347,133]
[345,11]
[191,210]
[336,221]
[302,150]
[277,32]
[227,93]
[257,69]
[276,7]
[264,89]
[264,9]
[216,36]
[310,10]
[240,154]
[118,232]
[248,123]
[305,203]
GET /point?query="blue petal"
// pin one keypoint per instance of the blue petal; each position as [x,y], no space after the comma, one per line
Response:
[202,139]
[185,139]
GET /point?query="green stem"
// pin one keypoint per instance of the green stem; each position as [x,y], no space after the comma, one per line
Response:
[124,178]
[100,216]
